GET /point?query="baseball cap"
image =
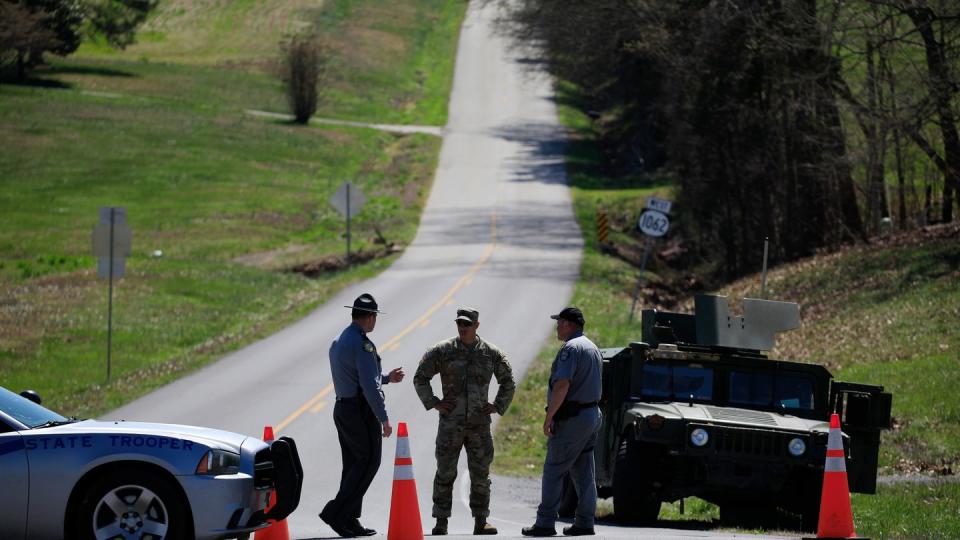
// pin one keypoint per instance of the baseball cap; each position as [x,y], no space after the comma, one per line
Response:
[571,314]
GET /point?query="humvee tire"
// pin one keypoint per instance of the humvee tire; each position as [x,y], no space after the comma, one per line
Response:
[634,502]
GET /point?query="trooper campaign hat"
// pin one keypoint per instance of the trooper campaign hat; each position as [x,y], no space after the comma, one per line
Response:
[466,314]
[365,302]
[571,314]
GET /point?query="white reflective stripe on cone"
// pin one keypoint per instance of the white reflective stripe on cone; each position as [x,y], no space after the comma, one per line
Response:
[835,441]
[403,447]
[403,472]
[835,464]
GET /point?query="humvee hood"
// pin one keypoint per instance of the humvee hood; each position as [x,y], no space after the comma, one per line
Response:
[728,416]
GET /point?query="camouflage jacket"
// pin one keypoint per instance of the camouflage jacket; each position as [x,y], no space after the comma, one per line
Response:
[465,374]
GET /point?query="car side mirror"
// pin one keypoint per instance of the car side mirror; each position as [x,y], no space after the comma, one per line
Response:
[32,396]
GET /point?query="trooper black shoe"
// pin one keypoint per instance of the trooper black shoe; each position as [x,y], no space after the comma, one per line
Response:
[358,529]
[338,526]
[573,530]
[537,530]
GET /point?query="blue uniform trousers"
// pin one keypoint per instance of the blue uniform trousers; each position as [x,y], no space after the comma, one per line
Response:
[570,450]
[361,441]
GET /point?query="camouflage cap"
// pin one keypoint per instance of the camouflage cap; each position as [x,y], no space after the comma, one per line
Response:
[467,314]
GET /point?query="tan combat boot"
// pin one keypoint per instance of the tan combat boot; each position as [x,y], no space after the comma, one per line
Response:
[440,529]
[480,526]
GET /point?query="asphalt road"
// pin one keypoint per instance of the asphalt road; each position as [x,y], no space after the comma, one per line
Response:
[498,234]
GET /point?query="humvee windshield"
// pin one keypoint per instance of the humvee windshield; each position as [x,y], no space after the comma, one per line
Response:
[677,381]
[670,381]
[765,390]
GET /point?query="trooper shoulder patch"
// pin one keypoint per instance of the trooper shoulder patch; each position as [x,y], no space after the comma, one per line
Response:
[367,346]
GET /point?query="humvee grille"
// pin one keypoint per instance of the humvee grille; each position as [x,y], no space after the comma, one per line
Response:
[751,442]
[742,415]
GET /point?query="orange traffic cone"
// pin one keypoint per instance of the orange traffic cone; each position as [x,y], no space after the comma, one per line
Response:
[404,506]
[836,516]
[278,529]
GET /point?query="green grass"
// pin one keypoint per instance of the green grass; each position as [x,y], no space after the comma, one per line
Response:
[879,314]
[230,200]
[389,61]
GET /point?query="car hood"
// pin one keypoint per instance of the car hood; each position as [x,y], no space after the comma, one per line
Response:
[712,414]
[213,438]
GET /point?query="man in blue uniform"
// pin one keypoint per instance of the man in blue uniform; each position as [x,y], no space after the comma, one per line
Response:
[571,426]
[360,415]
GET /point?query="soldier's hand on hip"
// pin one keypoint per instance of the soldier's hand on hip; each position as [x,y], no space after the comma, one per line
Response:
[489,408]
[387,429]
[445,405]
[396,375]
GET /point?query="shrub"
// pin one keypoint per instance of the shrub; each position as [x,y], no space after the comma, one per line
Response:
[304,66]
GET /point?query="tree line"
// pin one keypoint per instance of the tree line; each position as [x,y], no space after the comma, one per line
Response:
[813,123]
[31,28]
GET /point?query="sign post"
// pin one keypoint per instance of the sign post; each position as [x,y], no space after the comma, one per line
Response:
[112,243]
[348,200]
[653,223]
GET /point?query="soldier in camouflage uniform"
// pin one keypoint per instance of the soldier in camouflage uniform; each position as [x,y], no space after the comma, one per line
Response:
[465,364]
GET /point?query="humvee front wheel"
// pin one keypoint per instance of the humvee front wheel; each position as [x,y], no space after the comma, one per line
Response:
[634,501]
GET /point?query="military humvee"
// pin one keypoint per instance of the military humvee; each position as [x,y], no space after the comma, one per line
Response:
[696,409]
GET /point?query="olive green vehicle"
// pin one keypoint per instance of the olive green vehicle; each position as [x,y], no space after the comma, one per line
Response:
[696,409]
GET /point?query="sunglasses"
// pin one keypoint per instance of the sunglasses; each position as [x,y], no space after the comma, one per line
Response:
[464,324]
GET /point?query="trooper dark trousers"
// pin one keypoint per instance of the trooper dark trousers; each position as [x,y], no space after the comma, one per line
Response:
[361,441]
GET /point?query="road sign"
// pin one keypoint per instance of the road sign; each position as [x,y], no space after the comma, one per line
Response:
[660,205]
[602,227]
[112,241]
[348,199]
[653,223]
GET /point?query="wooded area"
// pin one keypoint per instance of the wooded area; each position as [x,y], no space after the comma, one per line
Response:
[30,28]
[811,123]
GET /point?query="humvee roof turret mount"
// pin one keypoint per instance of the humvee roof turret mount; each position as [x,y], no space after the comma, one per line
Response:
[697,409]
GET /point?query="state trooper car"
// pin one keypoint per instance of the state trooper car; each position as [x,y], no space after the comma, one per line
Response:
[86,479]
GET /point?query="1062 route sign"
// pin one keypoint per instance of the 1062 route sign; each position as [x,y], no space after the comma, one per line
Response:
[653,223]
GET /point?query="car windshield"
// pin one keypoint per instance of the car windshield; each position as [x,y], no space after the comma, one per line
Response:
[27,412]
[662,380]
[763,389]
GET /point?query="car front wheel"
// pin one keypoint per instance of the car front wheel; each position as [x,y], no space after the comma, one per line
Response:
[141,505]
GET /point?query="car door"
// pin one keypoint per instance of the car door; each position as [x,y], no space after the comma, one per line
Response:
[15,472]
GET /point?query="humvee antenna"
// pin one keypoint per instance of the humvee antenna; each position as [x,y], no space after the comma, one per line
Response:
[763,278]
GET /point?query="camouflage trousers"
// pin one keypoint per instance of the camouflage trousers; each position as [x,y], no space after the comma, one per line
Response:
[476,439]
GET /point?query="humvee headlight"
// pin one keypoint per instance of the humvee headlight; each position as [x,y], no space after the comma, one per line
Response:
[699,437]
[796,447]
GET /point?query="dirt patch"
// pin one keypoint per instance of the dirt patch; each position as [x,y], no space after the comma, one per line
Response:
[334,263]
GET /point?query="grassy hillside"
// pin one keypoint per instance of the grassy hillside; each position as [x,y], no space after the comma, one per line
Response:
[883,314]
[230,201]
[389,61]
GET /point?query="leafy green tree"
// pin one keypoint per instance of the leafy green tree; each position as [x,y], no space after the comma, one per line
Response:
[117,20]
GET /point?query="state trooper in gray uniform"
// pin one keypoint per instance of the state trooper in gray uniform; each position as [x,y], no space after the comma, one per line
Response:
[360,415]
[571,425]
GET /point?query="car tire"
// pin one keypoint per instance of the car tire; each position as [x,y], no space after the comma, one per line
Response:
[138,503]
[634,500]
[568,499]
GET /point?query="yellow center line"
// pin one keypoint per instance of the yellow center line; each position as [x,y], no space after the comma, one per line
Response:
[318,407]
[422,320]
[303,408]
